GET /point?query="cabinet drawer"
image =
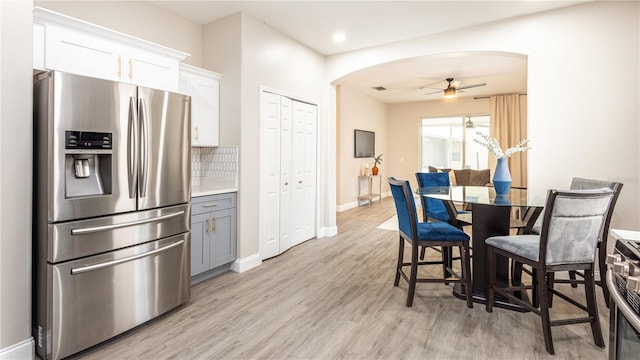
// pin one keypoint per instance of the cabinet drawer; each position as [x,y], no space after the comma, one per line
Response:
[205,204]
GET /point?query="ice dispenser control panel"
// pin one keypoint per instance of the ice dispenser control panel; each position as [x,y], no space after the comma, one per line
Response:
[87,140]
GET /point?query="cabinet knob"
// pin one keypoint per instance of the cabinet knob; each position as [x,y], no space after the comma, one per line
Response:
[299,181]
[286,183]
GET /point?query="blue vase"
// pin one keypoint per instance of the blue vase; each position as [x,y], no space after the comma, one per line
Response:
[502,177]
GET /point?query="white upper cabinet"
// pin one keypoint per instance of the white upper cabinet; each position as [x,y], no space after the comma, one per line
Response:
[204,88]
[75,46]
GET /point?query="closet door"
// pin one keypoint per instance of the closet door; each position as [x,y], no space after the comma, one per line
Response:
[287,172]
[304,171]
[309,175]
[270,175]
[287,180]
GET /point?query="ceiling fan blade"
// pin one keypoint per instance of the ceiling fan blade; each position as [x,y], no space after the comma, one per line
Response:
[427,87]
[470,86]
[434,92]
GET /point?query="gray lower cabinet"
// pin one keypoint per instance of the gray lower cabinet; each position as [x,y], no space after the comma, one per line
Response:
[213,233]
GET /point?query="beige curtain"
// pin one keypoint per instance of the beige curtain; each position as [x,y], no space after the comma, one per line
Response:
[509,127]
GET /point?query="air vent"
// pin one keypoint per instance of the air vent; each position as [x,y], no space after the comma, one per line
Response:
[379,88]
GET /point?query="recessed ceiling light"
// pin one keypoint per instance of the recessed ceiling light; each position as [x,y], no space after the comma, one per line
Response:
[339,37]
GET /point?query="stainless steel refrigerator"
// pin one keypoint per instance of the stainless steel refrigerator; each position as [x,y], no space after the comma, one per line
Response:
[111,234]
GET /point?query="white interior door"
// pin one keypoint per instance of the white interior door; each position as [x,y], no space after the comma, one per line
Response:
[288,173]
[287,181]
[270,175]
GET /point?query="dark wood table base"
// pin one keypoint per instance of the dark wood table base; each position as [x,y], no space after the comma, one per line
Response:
[481,298]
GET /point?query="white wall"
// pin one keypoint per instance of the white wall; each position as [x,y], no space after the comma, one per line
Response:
[16,41]
[137,18]
[250,54]
[578,57]
[359,111]
[221,53]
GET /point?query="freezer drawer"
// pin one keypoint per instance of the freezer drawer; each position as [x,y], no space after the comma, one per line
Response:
[101,296]
[75,239]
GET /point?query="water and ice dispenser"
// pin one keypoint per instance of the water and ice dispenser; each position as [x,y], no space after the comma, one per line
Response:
[88,158]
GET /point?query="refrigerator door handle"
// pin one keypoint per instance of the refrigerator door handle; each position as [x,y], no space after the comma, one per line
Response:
[131,148]
[144,151]
[83,231]
[83,269]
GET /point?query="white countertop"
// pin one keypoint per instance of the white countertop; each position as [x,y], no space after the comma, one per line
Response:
[625,234]
[207,186]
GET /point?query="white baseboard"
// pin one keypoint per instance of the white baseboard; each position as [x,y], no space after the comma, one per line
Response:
[347,206]
[327,232]
[354,204]
[247,263]
[20,351]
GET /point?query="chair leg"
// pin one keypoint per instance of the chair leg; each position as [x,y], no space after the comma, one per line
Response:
[516,276]
[516,273]
[400,260]
[466,272]
[551,280]
[423,251]
[535,292]
[491,269]
[414,274]
[543,293]
[446,261]
[572,277]
[592,306]
[602,257]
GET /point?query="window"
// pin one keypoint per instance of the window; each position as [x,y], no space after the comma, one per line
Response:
[447,142]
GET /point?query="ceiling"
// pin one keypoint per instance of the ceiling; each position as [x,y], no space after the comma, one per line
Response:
[372,23]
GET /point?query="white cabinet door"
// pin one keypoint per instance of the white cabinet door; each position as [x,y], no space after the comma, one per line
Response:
[75,46]
[146,68]
[82,53]
[204,88]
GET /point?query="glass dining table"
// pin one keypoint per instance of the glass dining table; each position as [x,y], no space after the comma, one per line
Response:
[491,215]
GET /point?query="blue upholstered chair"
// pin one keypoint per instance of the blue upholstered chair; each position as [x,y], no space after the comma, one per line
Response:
[435,209]
[439,210]
[426,234]
[571,228]
[590,184]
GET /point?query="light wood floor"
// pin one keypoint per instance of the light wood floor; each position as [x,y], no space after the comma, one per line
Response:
[333,298]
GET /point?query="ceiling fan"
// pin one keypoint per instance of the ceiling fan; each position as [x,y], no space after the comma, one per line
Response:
[452,88]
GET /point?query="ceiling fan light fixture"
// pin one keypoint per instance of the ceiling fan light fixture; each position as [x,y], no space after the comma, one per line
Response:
[469,124]
[449,93]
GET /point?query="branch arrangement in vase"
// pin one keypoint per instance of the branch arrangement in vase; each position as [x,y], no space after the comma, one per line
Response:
[494,147]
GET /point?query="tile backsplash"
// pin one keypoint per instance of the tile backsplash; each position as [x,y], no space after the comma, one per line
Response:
[214,162]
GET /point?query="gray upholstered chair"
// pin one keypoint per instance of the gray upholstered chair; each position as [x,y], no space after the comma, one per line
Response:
[588,184]
[571,228]
[429,234]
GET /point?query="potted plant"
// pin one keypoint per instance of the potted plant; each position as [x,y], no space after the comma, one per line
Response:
[377,160]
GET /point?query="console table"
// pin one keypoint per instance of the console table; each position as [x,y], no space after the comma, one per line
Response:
[369,195]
